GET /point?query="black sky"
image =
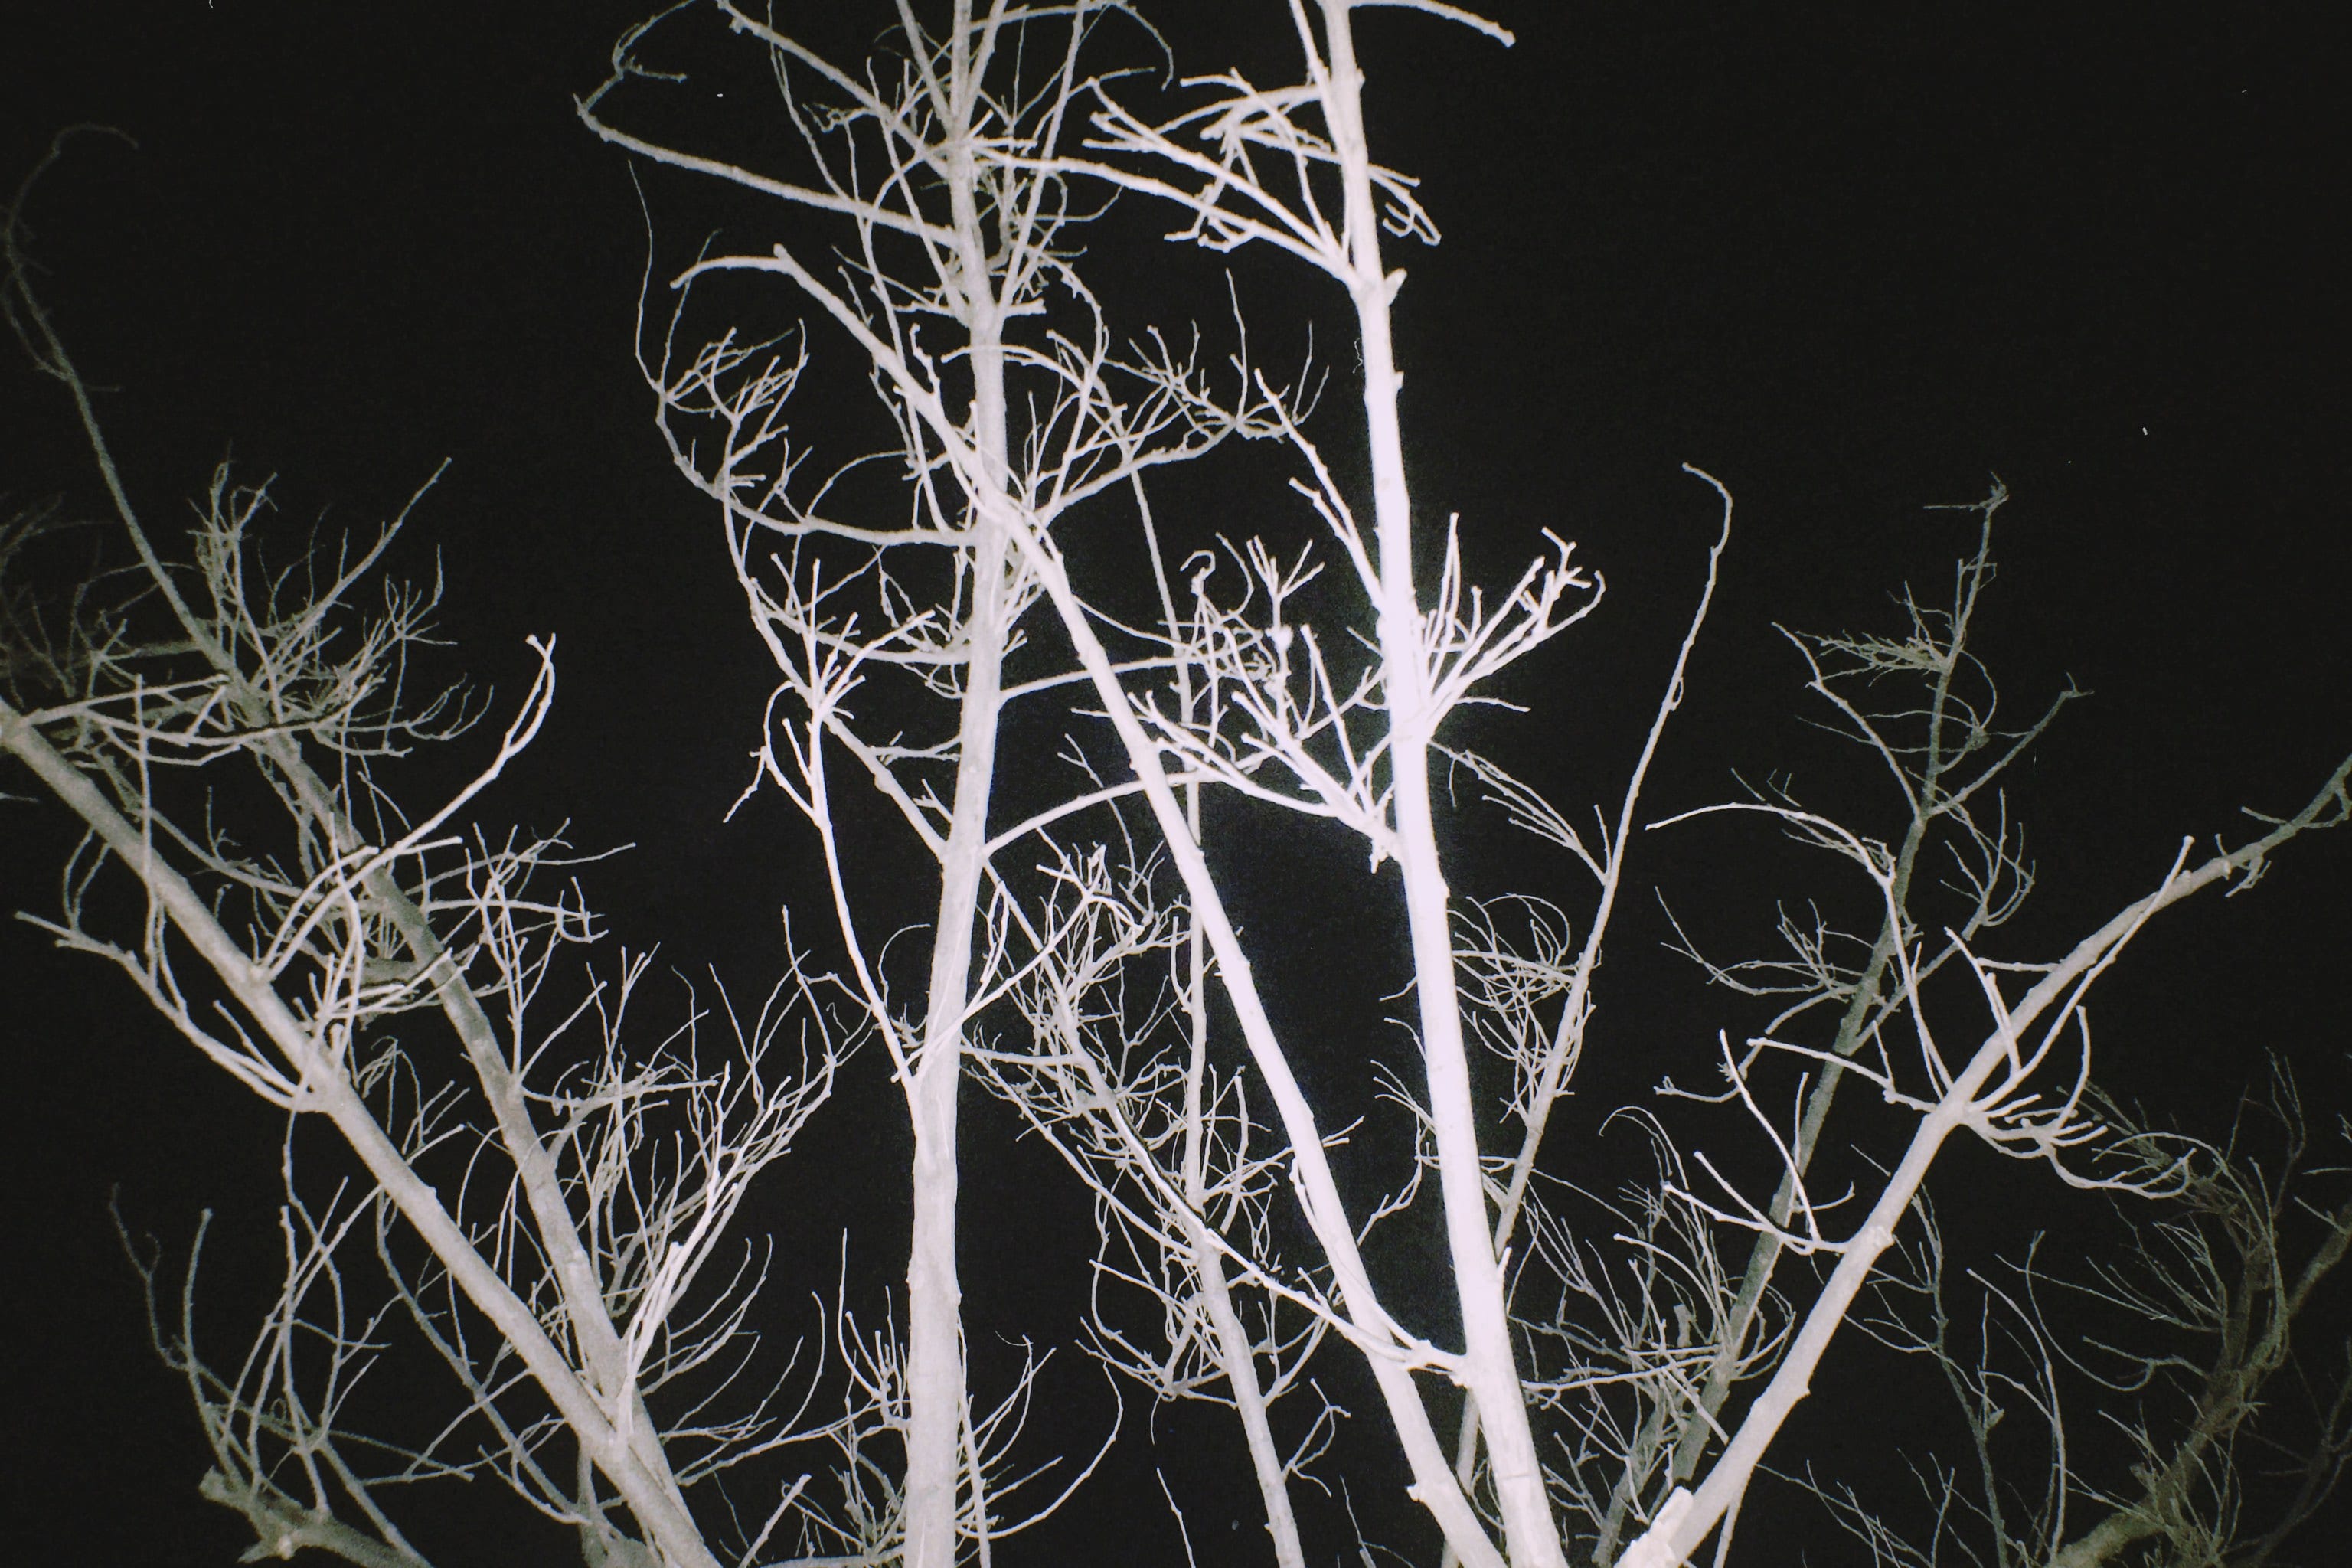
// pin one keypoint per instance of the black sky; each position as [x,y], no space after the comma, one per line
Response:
[1852,261]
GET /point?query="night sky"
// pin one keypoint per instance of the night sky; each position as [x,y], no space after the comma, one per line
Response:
[1851,262]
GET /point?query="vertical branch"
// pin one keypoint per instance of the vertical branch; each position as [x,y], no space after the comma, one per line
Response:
[1489,1365]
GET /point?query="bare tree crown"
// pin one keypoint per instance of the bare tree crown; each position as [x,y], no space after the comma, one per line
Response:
[1010,646]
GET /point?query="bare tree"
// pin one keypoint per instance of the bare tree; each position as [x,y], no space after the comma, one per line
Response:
[2226,1440]
[1251,696]
[1251,166]
[542,1193]
[1613,1366]
[936,165]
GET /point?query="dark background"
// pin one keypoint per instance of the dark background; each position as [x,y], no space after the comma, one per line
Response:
[1850,261]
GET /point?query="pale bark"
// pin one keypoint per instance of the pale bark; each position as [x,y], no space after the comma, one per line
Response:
[1489,1370]
[977,333]
[1975,1101]
[986,235]
[936,1395]
[630,1459]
